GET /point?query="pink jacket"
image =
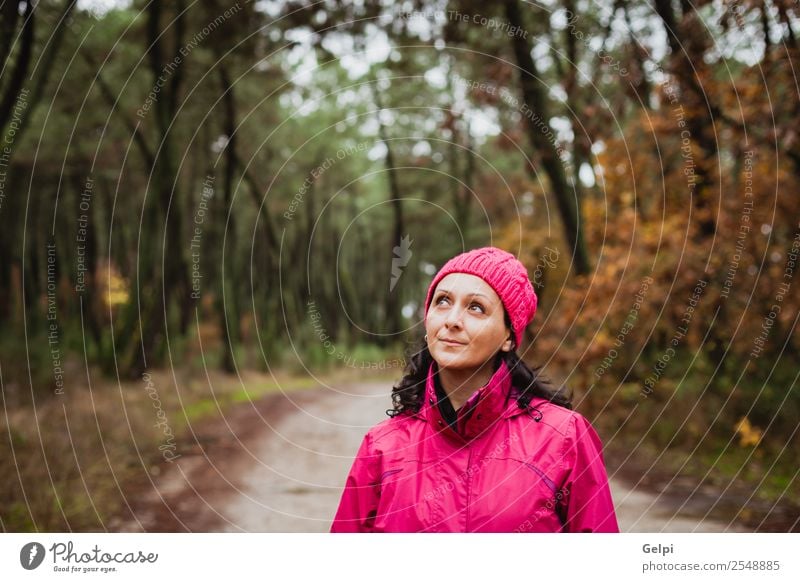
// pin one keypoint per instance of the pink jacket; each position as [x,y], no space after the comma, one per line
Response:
[505,470]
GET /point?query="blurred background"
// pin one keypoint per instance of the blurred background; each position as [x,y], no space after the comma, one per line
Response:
[216,217]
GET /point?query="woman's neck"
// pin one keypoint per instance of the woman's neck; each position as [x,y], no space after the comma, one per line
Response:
[459,385]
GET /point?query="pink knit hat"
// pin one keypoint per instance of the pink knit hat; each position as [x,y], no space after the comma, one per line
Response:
[504,273]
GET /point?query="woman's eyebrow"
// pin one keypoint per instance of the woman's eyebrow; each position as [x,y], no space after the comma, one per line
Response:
[476,294]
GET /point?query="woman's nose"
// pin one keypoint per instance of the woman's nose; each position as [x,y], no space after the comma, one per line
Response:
[454,316]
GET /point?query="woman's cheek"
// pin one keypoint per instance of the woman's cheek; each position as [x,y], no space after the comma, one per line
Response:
[432,325]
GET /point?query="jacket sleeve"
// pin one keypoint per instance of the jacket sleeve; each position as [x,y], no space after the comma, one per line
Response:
[359,503]
[586,500]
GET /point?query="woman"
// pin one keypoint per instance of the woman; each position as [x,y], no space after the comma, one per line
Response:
[476,441]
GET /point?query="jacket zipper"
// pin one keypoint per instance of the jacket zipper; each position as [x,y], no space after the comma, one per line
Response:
[469,485]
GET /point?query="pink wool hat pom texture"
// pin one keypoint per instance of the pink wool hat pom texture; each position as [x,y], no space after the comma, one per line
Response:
[505,274]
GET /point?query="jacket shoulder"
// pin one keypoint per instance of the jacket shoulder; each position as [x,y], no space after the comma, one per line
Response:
[560,419]
[392,429]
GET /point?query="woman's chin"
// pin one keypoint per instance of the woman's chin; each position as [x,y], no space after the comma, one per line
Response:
[453,362]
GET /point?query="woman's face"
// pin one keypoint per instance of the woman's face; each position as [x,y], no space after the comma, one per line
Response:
[465,323]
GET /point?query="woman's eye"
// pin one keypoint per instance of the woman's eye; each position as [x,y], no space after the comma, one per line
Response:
[440,299]
[479,306]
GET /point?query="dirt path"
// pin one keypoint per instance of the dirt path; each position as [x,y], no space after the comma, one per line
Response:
[278,465]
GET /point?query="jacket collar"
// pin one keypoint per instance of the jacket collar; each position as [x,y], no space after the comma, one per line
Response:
[486,405]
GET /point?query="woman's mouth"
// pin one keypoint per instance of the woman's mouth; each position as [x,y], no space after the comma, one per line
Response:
[448,342]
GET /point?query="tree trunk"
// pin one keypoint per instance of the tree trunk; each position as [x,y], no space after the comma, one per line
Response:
[17,104]
[13,90]
[536,117]
[393,302]
[163,269]
[228,298]
[699,108]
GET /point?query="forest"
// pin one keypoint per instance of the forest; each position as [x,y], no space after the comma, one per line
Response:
[198,192]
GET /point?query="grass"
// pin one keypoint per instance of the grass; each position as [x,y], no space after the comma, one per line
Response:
[701,438]
[256,388]
[70,456]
